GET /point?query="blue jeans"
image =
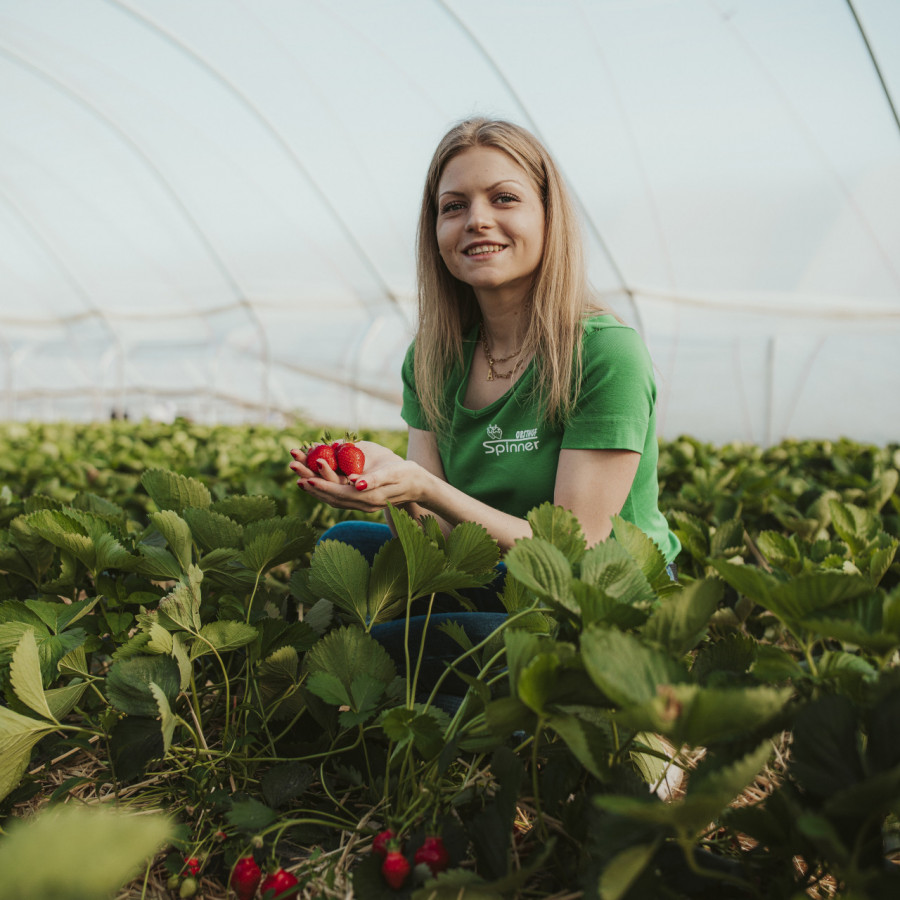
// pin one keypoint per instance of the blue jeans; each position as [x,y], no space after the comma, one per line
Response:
[440,648]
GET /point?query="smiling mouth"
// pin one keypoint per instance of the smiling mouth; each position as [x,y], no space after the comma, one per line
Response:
[483,249]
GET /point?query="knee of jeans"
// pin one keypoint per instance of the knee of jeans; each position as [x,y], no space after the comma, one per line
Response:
[350,531]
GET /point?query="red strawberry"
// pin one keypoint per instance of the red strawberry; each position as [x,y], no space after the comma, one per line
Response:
[320,451]
[350,459]
[395,869]
[192,864]
[434,854]
[381,840]
[278,883]
[245,878]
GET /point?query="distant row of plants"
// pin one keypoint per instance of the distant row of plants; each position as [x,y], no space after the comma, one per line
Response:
[166,614]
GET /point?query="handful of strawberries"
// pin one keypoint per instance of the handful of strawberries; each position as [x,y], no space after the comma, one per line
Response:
[343,457]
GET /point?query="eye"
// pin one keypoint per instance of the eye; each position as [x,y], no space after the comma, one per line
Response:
[506,198]
[452,206]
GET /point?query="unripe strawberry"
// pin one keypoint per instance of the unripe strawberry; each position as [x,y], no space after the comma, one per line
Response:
[188,888]
[395,869]
[434,854]
[278,883]
[245,878]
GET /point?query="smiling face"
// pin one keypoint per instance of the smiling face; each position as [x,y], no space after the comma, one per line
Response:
[490,223]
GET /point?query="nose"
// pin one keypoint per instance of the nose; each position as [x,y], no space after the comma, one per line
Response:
[479,216]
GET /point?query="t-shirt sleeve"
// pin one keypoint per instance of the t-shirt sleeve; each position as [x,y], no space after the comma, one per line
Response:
[617,394]
[411,410]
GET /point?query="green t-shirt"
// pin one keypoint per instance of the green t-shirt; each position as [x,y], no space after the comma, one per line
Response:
[505,456]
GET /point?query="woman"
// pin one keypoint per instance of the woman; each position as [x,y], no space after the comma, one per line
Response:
[517,389]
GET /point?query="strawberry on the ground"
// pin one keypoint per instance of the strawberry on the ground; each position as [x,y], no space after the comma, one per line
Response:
[245,878]
[350,459]
[192,864]
[380,841]
[277,883]
[320,451]
[188,888]
[395,869]
[434,854]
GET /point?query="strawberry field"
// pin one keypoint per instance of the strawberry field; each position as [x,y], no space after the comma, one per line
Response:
[193,698]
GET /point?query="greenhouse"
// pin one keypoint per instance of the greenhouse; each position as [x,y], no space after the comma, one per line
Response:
[259,639]
[208,209]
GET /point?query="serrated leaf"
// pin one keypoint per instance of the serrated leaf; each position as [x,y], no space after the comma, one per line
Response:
[626,670]
[177,534]
[181,607]
[424,561]
[286,782]
[250,815]
[64,699]
[245,509]
[680,621]
[182,660]
[74,663]
[591,744]
[690,714]
[388,583]
[471,549]
[621,872]
[128,683]
[18,734]
[160,640]
[167,720]
[329,688]
[349,653]
[212,530]
[747,580]
[611,568]
[542,568]
[340,574]
[172,491]
[223,636]
[25,676]
[271,542]
[640,547]
[560,527]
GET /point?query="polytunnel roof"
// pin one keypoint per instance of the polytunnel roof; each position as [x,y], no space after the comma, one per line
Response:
[208,208]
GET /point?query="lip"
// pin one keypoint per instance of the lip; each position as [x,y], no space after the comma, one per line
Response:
[467,250]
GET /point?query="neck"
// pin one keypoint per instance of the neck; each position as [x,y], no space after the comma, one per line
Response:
[504,327]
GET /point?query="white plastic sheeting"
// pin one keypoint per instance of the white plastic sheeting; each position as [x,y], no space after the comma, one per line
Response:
[208,207]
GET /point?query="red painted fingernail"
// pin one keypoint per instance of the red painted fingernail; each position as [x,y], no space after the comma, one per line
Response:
[360,485]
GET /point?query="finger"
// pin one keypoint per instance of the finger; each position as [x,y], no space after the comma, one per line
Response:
[302,470]
[326,472]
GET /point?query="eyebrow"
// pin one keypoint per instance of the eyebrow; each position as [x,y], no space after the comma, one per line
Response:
[490,187]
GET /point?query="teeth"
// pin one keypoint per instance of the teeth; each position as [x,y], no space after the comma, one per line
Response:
[484,248]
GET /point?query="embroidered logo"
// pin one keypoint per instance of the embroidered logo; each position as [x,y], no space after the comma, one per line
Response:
[524,441]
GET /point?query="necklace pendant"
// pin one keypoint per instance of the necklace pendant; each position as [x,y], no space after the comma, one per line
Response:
[490,375]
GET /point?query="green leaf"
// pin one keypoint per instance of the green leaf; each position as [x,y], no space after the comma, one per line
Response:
[590,743]
[775,664]
[621,872]
[286,782]
[610,567]
[349,654]
[245,509]
[64,699]
[690,714]
[340,574]
[83,864]
[271,542]
[128,683]
[804,595]
[250,815]
[167,719]
[626,670]
[157,562]
[181,607]
[212,530]
[471,549]
[177,534]
[560,527]
[223,636]
[542,568]
[750,581]
[25,676]
[680,622]
[330,688]
[424,561]
[170,490]
[388,583]
[641,548]
[18,734]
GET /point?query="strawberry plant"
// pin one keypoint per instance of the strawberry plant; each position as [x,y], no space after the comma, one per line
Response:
[184,634]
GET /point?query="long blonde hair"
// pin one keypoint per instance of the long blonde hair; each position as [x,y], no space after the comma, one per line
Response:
[559,300]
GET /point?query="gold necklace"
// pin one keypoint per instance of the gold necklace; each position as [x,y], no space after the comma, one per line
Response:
[493,362]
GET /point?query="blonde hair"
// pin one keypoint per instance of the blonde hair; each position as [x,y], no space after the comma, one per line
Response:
[559,300]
